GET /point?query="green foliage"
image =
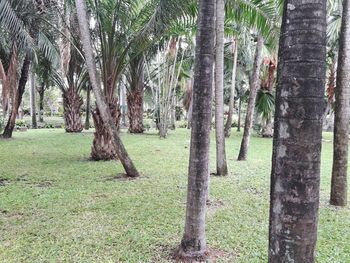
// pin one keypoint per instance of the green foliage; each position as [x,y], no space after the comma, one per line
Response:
[21,123]
[265,104]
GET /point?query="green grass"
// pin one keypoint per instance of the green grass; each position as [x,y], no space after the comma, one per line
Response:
[57,206]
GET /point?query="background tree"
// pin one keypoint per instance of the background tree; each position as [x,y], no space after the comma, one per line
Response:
[341,124]
[104,111]
[221,164]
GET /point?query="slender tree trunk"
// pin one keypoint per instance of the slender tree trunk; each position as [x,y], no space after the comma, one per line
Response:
[341,121]
[33,100]
[88,108]
[72,103]
[243,152]
[221,164]
[11,123]
[295,175]
[239,115]
[96,86]
[233,87]
[193,244]
[41,102]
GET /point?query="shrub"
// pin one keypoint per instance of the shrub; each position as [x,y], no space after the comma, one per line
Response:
[21,123]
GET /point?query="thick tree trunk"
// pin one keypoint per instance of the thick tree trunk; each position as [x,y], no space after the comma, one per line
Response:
[135,110]
[88,108]
[233,87]
[193,244]
[243,152]
[72,103]
[341,121]
[295,175]
[11,123]
[221,164]
[104,147]
[33,100]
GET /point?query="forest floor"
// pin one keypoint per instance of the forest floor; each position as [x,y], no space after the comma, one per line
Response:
[57,206]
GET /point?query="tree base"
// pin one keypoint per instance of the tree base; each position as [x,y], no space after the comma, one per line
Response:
[179,255]
[104,148]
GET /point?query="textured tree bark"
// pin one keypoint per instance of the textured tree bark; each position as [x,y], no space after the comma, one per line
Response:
[221,164]
[88,108]
[108,121]
[135,94]
[295,175]
[233,87]
[243,152]
[33,100]
[193,244]
[11,123]
[41,92]
[135,110]
[341,111]
[72,103]
[104,147]
[239,115]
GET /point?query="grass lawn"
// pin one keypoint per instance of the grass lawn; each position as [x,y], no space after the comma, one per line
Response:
[57,206]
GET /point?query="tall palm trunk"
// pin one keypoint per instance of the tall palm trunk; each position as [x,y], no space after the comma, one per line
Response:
[11,123]
[33,100]
[88,108]
[72,103]
[295,175]
[221,164]
[193,244]
[341,121]
[243,152]
[41,92]
[239,115]
[109,122]
[233,87]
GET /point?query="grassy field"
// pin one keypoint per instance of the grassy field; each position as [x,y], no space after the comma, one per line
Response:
[57,206]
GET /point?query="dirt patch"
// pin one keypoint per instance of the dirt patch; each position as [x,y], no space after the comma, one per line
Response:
[254,191]
[22,178]
[3,181]
[44,184]
[211,256]
[213,206]
[123,177]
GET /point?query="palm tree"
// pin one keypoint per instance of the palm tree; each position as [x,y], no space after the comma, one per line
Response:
[104,111]
[221,164]
[22,23]
[193,244]
[295,175]
[265,101]
[252,97]
[228,124]
[341,123]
